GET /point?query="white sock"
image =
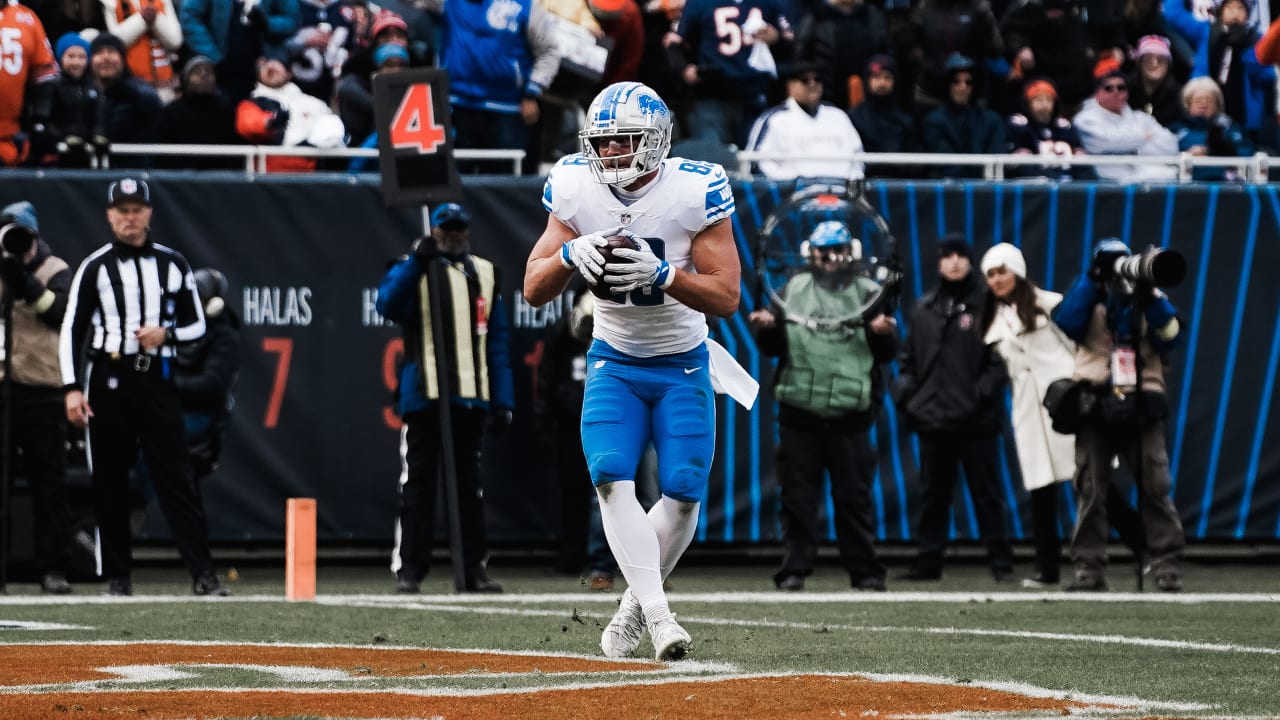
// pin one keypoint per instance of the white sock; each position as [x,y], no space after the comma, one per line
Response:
[633,542]
[674,522]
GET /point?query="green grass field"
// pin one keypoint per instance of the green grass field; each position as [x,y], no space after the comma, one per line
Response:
[1212,652]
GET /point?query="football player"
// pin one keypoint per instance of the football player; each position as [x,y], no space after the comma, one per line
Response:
[650,365]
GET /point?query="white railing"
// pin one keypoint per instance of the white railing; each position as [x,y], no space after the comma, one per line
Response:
[1254,169]
[255,156]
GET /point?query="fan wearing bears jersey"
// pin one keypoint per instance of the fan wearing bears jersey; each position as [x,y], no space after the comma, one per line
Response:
[650,367]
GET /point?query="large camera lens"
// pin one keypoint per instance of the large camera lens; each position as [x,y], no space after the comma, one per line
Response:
[1161,268]
[16,239]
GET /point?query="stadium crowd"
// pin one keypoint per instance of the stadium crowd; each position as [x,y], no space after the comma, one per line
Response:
[1039,77]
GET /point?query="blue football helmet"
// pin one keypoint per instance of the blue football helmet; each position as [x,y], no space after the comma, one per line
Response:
[632,115]
[830,235]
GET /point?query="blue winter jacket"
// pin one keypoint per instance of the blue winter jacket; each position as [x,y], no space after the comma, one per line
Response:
[1075,311]
[205,24]
[1257,77]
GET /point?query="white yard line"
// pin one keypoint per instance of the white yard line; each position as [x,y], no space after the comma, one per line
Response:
[850,598]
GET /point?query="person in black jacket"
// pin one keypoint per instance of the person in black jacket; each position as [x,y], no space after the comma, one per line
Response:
[1042,130]
[882,125]
[202,115]
[840,37]
[206,372]
[950,389]
[129,108]
[73,118]
[961,125]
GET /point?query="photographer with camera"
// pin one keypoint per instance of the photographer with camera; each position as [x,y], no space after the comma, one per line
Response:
[1123,326]
[35,284]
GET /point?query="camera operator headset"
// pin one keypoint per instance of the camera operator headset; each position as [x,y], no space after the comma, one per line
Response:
[35,285]
[1123,326]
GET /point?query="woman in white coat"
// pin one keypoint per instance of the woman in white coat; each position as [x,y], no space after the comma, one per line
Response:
[1017,324]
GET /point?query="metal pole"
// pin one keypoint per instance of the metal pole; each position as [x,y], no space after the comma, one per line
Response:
[437,278]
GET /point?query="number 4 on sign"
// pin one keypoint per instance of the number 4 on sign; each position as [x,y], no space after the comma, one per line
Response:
[414,124]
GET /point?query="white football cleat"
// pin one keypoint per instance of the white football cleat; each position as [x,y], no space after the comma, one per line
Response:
[622,635]
[670,641]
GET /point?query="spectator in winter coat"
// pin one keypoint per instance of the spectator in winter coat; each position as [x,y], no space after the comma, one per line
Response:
[355,95]
[500,55]
[73,117]
[200,116]
[1152,87]
[882,125]
[816,139]
[235,33]
[1043,131]
[150,31]
[950,391]
[279,113]
[946,27]
[1050,38]
[1224,47]
[961,125]
[1108,126]
[1207,131]
[840,37]
[129,108]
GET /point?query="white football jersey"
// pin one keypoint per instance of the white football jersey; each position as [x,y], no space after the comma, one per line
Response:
[686,198]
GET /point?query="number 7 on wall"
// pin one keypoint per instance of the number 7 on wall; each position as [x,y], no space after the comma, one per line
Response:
[283,346]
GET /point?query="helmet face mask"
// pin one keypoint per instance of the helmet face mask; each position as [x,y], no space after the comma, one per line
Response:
[627,133]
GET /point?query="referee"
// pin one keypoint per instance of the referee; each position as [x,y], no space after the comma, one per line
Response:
[130,303]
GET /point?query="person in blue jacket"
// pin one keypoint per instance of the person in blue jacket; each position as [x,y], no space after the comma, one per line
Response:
[1123,331]
[1206,131]
[481,391]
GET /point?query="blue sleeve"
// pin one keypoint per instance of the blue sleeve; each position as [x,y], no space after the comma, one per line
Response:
[502,392]
[1186,24]
[284,17]
[1158,314]
[398,289]
[1073,313]
[1259,74]
[192,18]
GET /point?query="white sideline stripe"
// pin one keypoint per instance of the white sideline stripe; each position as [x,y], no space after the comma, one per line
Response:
[849,597]
[684,665]
[32,625]
[1022,634]
[1012,687]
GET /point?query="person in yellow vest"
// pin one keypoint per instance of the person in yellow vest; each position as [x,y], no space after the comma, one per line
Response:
[481,390]
[150,32]
[828,385]
[36,282]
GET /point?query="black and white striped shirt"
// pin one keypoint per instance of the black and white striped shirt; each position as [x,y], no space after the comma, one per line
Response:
[119,289]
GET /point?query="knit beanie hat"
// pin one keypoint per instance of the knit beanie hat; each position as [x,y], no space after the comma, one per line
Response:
[191,65]
[106,40]
[954,243]
[1153,45]
[68,41]
[1005,255]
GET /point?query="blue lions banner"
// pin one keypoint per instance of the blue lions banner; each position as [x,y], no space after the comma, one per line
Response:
[314,411]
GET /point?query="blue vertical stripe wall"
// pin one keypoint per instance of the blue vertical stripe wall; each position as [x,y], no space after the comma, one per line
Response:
[1224,438]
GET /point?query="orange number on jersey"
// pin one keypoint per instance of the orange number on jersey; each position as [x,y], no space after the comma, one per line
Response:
[414,124]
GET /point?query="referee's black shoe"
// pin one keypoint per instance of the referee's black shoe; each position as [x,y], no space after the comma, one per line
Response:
[209,585]
[480,582]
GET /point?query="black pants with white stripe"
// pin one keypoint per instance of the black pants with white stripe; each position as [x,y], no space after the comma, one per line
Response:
[422,486]
[135,410]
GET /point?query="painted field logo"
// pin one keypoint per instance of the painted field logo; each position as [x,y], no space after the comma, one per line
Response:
[159,680]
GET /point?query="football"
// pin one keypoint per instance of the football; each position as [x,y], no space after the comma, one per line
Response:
[601,288]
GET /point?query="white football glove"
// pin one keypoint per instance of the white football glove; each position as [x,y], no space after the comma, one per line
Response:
[583,254]
[645,269]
